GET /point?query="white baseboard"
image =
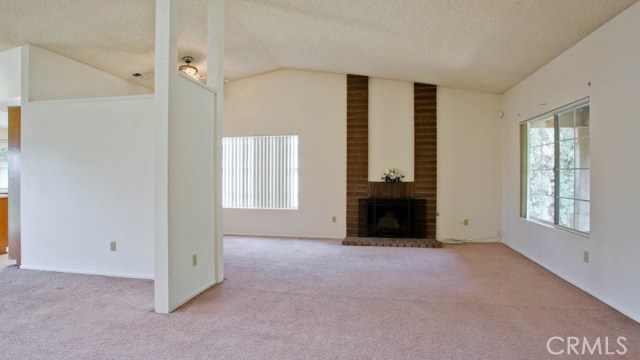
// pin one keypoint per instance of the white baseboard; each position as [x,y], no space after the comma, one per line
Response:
[88,272]
[631,314]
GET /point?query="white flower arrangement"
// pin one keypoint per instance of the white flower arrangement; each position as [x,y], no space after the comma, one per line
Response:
[392,175]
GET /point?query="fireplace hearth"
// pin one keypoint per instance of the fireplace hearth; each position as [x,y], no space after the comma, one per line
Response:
[392,218]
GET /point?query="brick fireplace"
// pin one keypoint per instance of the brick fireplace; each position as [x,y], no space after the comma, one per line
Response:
[392,218]
[424,186]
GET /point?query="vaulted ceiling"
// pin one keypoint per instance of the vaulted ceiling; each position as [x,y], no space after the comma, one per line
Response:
[487,45]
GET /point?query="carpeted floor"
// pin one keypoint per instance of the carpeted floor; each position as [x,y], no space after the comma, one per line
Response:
[313,299]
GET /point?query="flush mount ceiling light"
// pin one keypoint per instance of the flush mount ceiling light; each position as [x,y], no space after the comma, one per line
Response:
[188,68]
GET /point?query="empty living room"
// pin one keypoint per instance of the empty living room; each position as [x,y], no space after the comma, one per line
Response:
[319,179]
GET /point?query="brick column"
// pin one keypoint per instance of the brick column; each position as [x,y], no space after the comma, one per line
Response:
[426,150]
[357,147]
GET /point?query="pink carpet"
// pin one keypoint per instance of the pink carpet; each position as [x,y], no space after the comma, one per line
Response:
[313,299]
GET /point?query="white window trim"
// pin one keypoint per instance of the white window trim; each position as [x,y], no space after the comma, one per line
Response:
[541,222]
[262,182]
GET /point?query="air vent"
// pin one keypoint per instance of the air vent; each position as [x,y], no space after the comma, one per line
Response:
[142,76]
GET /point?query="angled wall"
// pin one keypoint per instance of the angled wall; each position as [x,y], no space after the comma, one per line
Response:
[57,77]
[604,67]
[10,82]
[10,74]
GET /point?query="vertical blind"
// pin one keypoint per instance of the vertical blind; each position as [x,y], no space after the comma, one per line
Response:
[260,172]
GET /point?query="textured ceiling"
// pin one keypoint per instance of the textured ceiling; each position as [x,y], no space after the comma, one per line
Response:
[475,44]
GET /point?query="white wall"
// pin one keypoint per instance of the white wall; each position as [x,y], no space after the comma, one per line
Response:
[87,169]
[87,175]
[608,58]
[391,142]
[4,119]
[4,171]
[55,77]
[469,165]
[191,189]
[312,105]
[10,81]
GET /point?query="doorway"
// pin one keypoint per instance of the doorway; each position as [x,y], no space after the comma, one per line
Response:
[10,247]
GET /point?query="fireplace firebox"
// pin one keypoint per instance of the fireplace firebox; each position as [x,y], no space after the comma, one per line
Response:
[392,218]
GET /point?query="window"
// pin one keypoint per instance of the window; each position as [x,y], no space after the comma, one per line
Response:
[260,172]
[555,168]
[4,166]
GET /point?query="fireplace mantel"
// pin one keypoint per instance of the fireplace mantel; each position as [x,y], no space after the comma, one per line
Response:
[384,190]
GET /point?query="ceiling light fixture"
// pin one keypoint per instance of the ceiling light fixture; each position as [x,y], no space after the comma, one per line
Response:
[188,68]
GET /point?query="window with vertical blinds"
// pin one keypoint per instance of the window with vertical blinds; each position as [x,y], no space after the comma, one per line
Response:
[260,172]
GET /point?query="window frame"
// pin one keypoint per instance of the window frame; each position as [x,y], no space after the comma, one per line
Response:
[259,180]
[524,167]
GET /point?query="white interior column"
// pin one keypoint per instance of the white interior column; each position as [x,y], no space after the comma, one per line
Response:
[164,64]
[215,66]
[187,145]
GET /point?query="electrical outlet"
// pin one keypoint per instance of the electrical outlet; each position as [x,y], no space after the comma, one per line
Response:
[334,218]
[465,222]
[585,256]
[194,259]
[113,246]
